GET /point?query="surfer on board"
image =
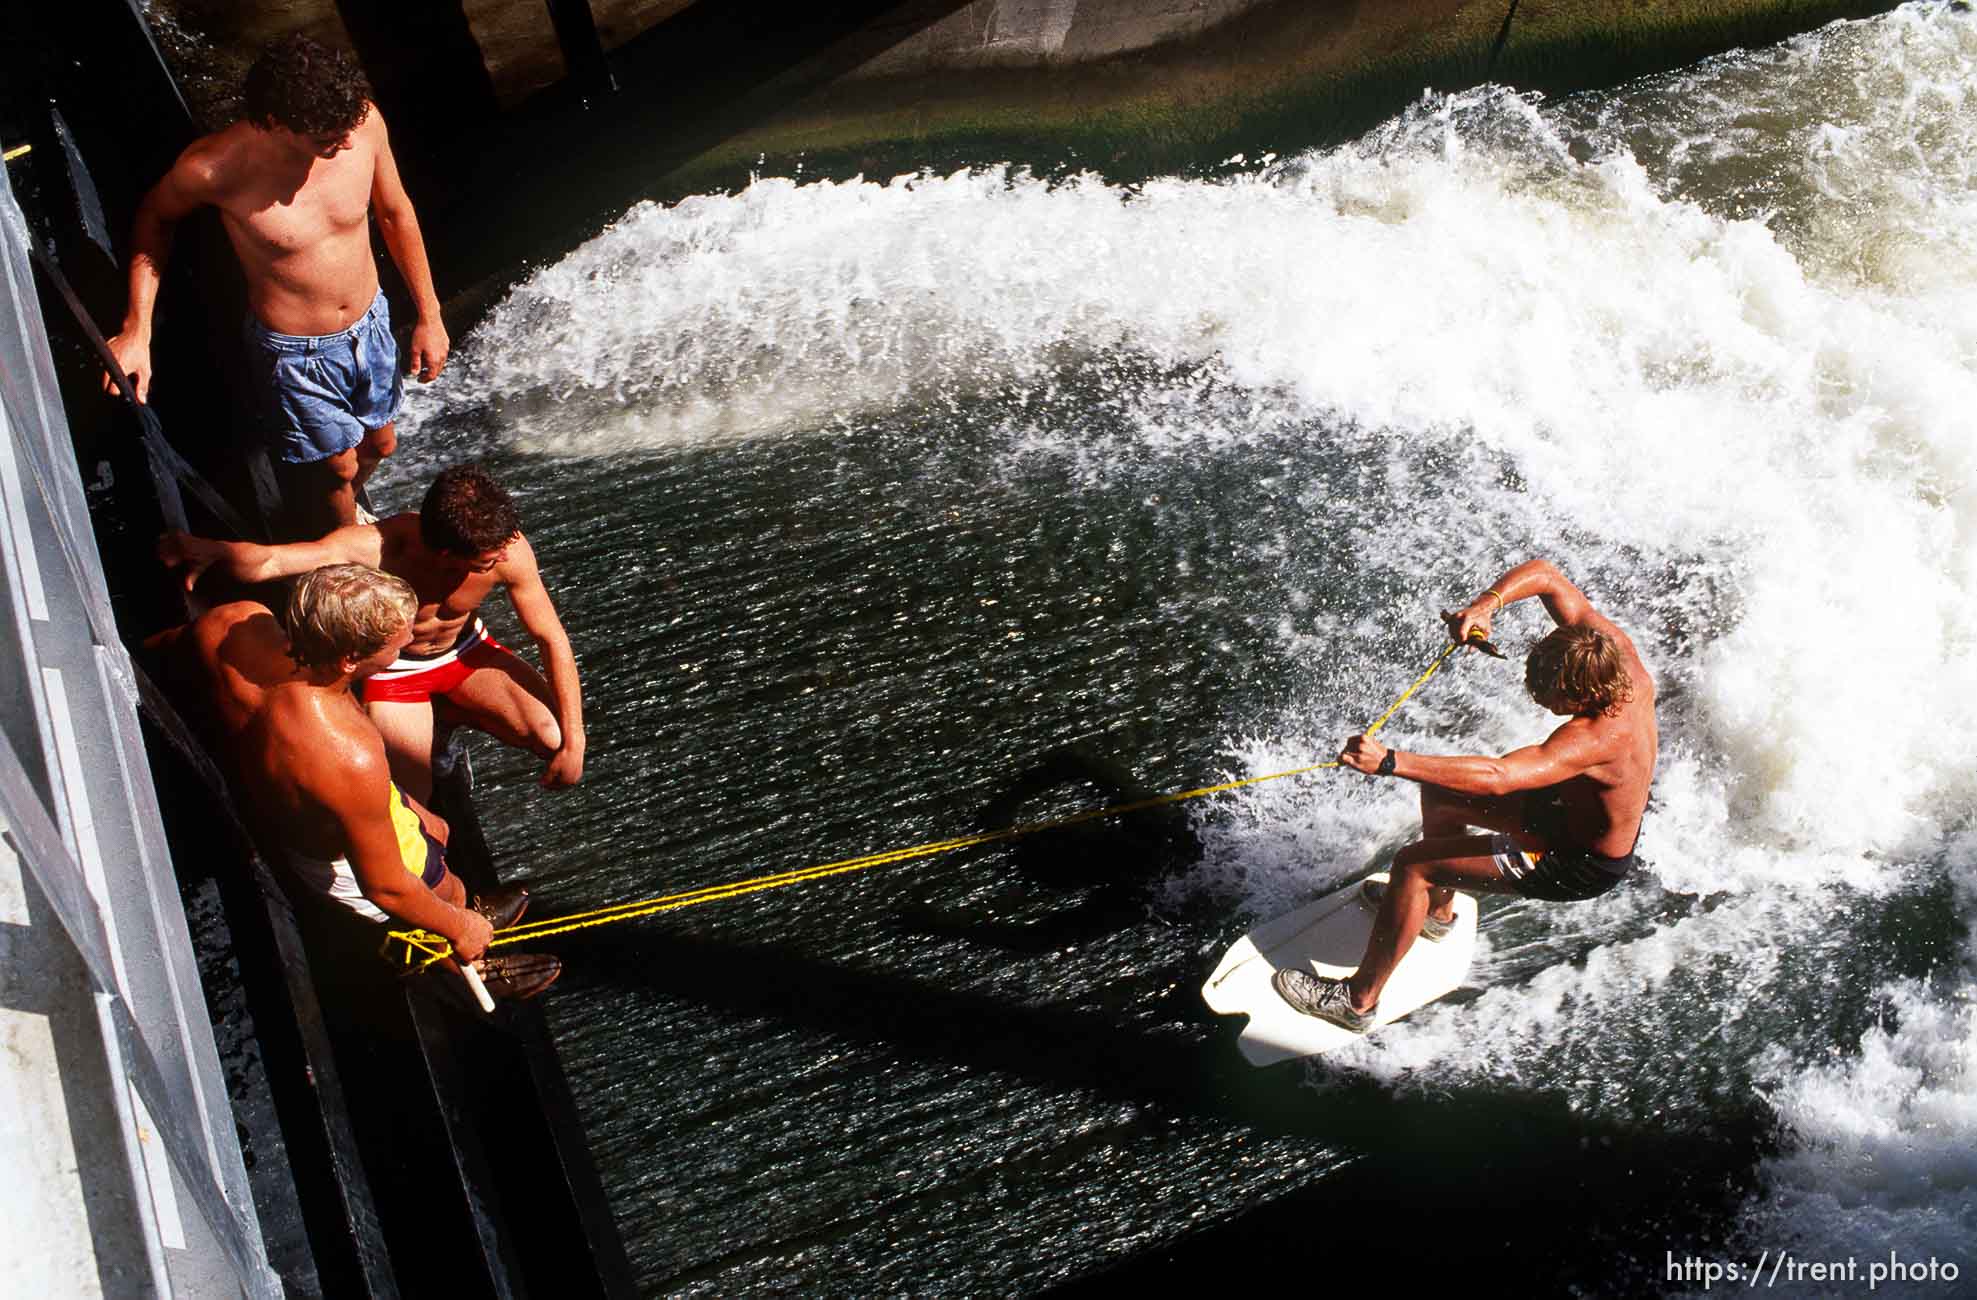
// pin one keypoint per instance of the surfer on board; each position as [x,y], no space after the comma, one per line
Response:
[1562,817]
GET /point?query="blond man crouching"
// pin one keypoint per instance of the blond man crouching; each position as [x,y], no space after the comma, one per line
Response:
[311,769]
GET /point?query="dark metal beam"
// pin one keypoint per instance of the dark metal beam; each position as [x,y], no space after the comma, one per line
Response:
[583,50]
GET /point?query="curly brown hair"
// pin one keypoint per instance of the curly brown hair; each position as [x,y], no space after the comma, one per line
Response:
[467,513]
[307,87]
[1581,668]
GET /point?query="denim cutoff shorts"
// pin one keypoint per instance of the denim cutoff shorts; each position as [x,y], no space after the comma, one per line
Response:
[321,394]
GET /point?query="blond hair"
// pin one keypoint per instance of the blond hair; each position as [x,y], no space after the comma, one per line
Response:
[346,611]
[1580,667]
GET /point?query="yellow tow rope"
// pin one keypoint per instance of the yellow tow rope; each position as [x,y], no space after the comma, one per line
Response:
[435,948]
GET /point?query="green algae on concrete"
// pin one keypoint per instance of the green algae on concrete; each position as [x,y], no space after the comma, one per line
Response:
[1282,77]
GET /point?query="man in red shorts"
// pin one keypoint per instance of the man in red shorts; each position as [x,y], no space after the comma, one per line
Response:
[464,541]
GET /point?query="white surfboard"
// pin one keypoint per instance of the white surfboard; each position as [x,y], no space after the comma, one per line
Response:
[1328,937]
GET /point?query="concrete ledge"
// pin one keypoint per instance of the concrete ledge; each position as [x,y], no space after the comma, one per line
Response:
[1283,73]
[1033,33]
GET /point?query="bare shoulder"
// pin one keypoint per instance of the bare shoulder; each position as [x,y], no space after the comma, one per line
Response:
[370,135]
[234,621]
[332,748]
[234,611]
[215,165]
[351,739]
[520,563]
[1637,669]
[395,534]
[1594,748]
[188,646]
[1585,739]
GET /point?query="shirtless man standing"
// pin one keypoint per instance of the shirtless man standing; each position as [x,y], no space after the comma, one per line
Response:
[311,770]
[465,541]
[1566,813]
[294,183]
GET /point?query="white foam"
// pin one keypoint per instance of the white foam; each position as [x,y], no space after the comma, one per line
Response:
[1884,1140]
[1732,359]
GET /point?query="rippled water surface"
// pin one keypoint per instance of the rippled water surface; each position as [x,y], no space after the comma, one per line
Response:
[863,500]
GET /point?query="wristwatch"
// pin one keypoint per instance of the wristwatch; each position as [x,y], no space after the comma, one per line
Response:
[1386,767]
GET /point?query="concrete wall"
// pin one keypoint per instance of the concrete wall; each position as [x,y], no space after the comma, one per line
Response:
[213,41]
[1031,33]
[519,44]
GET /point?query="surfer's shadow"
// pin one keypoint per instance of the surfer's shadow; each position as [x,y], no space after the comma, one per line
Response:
[1068,884]
[1118,1039]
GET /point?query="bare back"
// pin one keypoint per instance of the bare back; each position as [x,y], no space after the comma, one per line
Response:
[299,223]
[305,739]
[231,657]
[286,738]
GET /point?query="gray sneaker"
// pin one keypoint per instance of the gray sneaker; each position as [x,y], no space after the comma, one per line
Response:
[1327,999]
[1375,893]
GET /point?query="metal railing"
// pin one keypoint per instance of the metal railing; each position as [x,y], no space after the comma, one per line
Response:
[79,806]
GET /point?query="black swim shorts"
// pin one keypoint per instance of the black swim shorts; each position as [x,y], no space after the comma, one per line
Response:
[1564,872]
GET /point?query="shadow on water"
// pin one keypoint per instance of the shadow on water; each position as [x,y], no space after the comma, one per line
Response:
[1468,1170]
[1101,866]
[1068,884]
[1439,1165]
[1531,1200]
